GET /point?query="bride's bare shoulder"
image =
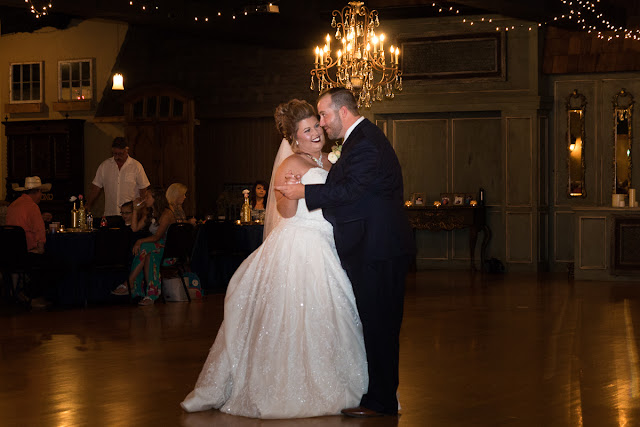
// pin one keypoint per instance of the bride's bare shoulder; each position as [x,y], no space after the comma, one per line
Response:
[294,163]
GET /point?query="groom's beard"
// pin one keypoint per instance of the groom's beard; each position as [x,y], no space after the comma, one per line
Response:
[334,129]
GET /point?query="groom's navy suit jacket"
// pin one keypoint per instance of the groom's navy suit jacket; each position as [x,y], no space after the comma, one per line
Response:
[363,199]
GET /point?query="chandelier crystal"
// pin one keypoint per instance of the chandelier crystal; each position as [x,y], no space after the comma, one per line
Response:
[361,64]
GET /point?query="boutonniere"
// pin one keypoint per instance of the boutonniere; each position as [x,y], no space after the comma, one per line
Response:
[334,155]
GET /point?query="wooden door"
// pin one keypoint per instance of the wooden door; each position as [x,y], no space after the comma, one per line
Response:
[159,131]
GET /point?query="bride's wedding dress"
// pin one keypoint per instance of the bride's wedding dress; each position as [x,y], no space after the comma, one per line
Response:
[290,345]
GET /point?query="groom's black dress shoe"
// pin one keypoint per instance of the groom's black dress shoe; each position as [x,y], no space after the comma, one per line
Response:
[361,412]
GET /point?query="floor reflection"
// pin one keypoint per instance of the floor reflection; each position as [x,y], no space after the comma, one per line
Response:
[485,350]
[217,418]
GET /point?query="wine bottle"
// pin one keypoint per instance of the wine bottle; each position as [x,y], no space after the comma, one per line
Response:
[74,216]
[82,216]
[245,213]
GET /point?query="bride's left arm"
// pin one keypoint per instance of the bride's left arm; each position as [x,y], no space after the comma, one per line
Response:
[286,207]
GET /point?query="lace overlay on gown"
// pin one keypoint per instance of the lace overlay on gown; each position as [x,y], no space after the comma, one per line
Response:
[291,343]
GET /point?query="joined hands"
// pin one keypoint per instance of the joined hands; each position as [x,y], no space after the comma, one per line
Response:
[290,178]
[292,189]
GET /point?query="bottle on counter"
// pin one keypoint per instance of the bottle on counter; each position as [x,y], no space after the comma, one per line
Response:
[245,212]
[74,216]
[89,221]
[82,215]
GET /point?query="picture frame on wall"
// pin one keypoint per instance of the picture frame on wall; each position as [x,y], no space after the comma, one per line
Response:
[418,199]
[456,199]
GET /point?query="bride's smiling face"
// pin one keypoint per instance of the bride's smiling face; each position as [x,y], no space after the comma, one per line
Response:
[310,136]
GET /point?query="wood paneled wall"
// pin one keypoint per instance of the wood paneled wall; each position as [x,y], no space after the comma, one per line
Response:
[463,151]
[232,151]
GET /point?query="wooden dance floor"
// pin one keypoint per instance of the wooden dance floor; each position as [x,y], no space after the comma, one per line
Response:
[476,350]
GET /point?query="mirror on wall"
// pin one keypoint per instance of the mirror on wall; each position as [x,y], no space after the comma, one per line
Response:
[622,141]
[576,107]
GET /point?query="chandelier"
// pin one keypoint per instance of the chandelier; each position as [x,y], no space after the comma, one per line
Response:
[360,64]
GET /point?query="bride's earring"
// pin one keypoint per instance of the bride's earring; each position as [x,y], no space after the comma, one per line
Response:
[297,143]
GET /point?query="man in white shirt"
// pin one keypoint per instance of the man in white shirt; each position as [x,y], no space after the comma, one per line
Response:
[122,178]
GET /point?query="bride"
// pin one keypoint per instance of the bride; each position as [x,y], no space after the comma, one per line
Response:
[290,345]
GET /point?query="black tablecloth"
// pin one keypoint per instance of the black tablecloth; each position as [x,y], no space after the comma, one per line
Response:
[72,254]
[220,248]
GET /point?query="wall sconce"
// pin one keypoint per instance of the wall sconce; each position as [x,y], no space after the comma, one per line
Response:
[118,82]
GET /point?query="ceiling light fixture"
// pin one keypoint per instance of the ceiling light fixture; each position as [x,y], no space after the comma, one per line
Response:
[360,65]
[118,82]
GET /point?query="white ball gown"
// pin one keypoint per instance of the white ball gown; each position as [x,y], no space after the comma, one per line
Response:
[290,345]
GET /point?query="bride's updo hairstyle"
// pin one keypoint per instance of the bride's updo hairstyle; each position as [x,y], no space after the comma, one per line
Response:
[289,114]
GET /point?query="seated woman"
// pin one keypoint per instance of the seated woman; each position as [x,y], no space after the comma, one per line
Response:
[166,209]
[258,200]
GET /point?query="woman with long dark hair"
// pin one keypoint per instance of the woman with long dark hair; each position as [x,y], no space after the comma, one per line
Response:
[258,200]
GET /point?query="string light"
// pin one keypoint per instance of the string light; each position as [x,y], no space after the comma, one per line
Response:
[592,20]
[577,12]
[148,5]
[584,13]
[39,11]
[474,22]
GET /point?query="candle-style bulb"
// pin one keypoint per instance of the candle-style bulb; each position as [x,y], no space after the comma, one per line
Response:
[118,82]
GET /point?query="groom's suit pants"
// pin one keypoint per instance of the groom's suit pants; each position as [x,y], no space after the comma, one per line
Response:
[378,286]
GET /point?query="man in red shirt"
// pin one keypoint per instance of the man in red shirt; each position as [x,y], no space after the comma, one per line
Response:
[25,212]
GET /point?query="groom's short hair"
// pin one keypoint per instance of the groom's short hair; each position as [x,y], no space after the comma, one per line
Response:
[341,97]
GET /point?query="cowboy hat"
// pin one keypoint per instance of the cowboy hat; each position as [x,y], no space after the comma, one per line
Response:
[32,182]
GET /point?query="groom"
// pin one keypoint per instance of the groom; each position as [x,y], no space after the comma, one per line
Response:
[363,200]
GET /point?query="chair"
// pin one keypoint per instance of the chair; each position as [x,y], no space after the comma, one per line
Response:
[112,252]
[13,258]
[179,246]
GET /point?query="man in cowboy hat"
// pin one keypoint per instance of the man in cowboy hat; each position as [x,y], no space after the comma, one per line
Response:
[25,212]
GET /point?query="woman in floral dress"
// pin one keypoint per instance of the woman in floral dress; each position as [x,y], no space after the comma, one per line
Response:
[149,250]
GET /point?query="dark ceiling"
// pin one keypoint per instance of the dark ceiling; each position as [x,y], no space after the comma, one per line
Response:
[296,25]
